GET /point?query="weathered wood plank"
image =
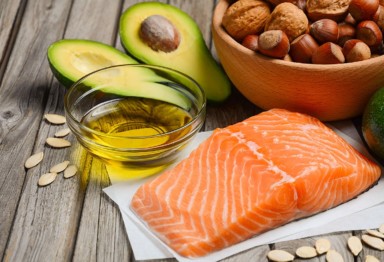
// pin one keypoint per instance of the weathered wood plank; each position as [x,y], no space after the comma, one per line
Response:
[23,93]
[11,13]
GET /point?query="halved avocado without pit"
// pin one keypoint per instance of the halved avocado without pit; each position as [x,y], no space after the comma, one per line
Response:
[72,59]
[161,34]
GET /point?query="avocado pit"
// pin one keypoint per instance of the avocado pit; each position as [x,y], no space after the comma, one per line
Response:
[159,34]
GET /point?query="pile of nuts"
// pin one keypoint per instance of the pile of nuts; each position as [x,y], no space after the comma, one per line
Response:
[309,31]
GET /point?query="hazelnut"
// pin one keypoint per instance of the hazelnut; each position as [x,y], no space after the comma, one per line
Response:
[346,32]
[245,18]
[379,17]
[356,50]
[159,34]
[363,9]
[288,18]
[325,30]
[274,43]
[251,42]
[370,33]
[328,53]
[302,48]
[350,20]
[335,10]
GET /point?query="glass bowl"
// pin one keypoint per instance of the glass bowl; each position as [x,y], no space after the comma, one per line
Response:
[135,117]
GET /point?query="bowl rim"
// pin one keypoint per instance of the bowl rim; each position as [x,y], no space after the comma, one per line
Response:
[218,14]
[200,113]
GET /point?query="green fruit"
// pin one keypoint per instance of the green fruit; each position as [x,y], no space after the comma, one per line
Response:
[373,123]
[71,59]
[160,34]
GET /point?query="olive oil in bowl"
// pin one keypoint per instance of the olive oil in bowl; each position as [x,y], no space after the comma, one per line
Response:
[137,125]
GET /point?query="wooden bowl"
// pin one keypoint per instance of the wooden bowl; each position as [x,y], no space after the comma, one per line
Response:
[328,92]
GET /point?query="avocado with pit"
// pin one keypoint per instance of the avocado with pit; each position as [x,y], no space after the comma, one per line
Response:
[161,34]
[72,59]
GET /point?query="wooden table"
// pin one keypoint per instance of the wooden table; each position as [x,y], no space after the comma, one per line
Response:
[72,219]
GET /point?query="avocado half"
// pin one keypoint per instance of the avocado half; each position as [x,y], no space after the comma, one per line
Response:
[72,59]
[191,57]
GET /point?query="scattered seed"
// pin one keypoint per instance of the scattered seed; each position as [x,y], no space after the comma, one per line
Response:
[58,142]
[280,256]
[47,179]
[55,119]
[370,258]
[70,171]
[355,245]
[59,167]
[334,256]
[34,160]
[322,245]
[381,229]
[375,233]
[374,242]
[62,132]
[306,252]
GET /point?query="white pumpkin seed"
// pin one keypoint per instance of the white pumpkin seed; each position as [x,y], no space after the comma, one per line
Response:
[62,132]
[370,258]
[59,167]
[306,252]
[374,242]
[322,245]
[355,245]
[55,119]
[70,171]
[47,179]
[381,229]
[34,160]
[375,233]
[334,256]
[58,142]
[280,256]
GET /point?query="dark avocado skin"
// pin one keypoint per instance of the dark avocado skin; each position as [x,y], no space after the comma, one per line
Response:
[192,57]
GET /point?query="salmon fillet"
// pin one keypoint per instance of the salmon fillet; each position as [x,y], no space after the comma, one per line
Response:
[250,177]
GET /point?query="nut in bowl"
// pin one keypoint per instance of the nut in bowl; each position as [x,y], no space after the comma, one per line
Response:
[327,91]
[135,117]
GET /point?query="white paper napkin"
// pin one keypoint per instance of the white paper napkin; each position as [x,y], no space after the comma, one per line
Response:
[147,246]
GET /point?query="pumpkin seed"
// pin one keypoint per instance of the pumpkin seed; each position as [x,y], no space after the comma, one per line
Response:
[55,119]
[334,256]
[370,258]
[355,245]
[59,167]
[62,132]
[306,252]
[375,233]
[374,242]
[322,245]
[280,256]
[47,179]
[70,171]
[34,160]
[381,229]
[58,142]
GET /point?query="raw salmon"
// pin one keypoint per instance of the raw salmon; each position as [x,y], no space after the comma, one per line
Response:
[250,177]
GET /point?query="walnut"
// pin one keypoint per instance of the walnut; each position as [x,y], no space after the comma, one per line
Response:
[335,10]
[246,17]
[288,18]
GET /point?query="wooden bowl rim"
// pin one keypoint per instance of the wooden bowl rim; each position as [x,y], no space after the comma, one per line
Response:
[218,14]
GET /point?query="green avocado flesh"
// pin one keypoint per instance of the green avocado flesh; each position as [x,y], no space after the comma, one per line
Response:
[72,59]
[191,57]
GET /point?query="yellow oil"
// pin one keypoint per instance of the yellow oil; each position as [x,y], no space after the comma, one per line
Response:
[138,123]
